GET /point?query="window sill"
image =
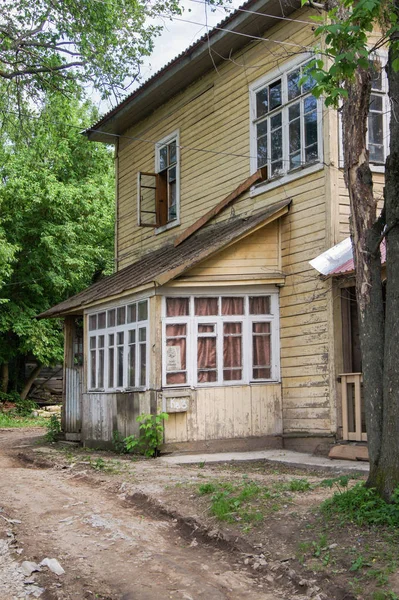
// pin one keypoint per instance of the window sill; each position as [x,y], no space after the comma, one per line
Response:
[275,183]
[116,390]
[166,227]
[220,385]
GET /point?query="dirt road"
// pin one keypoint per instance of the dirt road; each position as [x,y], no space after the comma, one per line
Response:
[108,547]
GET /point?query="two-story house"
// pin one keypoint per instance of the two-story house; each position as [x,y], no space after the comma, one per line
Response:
[228,182]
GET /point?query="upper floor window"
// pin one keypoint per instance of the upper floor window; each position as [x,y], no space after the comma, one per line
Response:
[378,119]
[159,192]
[118,348]
[285,122]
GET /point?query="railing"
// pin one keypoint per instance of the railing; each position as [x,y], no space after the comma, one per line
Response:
[353,425]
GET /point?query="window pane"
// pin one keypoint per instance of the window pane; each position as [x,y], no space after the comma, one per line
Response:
[293,84]
[376,153]
[120,338]
[93,341]
[132,366]
[176,354]
[101,320]
[206,359]
[177,307]
[294,111]
[275,94]
[101,341]
[310,82]
[92,368]
[131,313]
[376,77]
[172,213]
[262,152]
[232,351]
[232,306]
[119,371]
[142,334]
[121,315]
[101,368]
[206,328]
[259,305]
[375,124]
[295,143]
[206,306]
[111,338]
[132,336]
[92,322]
[261,350]
[163,158]
[142,311]
[277,144]
[172,153]
[111,317]
[262,103]
[261,128]
[111,357]
[143,364]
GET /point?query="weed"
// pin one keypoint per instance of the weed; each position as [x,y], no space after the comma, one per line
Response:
[118,442]
[25,407]
[358,563]
[53,427]
[201,464]
[99,464]
[299,485]
[12,420]
[207,488]
[362,506]
[151,435]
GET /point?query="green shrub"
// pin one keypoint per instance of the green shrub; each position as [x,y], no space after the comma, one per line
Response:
[25,407]
[151,435]
[53,428]
[118,442]
[363,506]
[13,397]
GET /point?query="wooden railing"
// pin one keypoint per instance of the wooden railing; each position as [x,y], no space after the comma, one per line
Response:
[353,428]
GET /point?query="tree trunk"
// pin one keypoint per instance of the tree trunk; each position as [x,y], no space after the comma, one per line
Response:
[4,377]
[366,230]
[28,384]
[388,475]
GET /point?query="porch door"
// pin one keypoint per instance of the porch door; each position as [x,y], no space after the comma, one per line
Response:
[73,379]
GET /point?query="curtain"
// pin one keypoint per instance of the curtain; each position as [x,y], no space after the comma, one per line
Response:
[176,361]
[261,349]
[232,351]
[206,306]
[232,306]
[259,305]
[206,354]
[177,307]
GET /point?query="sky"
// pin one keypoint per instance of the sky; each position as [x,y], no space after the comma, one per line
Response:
[177,35]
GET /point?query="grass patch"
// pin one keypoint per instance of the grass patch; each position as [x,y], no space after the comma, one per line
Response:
[362,506]
[13,420]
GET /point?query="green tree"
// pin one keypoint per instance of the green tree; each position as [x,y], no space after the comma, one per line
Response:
[345,76]
[46,43]
[56,224]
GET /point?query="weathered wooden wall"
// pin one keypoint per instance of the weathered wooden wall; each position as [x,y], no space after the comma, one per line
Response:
[227,412]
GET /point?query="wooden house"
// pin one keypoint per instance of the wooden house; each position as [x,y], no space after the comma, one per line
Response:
[228,182]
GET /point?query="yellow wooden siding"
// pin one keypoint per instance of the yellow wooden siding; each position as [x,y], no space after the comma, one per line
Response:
[217,122]
[228,412]
[257,254]
[344,210]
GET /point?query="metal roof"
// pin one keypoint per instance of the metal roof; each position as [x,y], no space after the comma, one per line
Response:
[211,49]
[338,260]
[166,263]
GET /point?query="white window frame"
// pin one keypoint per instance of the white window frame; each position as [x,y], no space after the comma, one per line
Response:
[125,328]
[375,167]
[247,320]
[174,136]
[254,88]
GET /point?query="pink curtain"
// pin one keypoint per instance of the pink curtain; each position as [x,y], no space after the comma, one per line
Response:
[177,307]
[232,306]
[176,336]
[232,351]
[261,348]
[259,305]
[206,306]
[206,355]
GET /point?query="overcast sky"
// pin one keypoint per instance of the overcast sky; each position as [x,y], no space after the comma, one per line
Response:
[177,35]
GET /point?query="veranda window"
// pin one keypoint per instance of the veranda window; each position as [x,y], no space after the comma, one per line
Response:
[221,340]
[118,348]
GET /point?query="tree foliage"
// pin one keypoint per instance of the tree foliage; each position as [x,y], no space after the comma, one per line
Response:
[56,222]
[46,43]
[350,36]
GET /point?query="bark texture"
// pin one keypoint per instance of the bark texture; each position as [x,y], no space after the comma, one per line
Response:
[4,377]
[28,384]
[366,231]
[388,474]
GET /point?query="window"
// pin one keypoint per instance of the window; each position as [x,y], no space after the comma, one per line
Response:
[159,192]
[286,123]
[220,340]
[118,348]
[378,121]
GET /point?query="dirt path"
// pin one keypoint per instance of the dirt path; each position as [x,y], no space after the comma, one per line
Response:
[107,546]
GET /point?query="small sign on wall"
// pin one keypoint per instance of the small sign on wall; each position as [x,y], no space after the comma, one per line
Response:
[173,358]
[177,404]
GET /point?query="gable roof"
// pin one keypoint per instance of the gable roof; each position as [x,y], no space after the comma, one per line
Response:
[166,263]
[249,21]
